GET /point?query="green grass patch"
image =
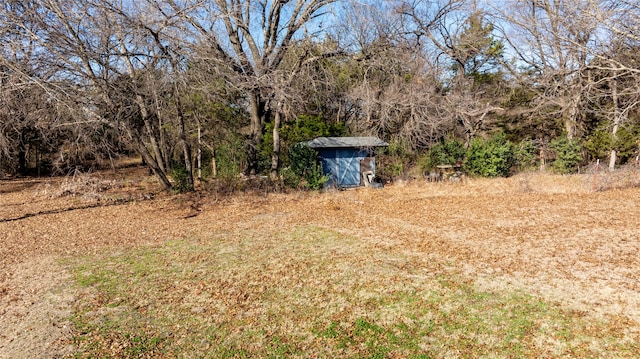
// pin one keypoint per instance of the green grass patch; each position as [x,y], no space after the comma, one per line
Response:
[312,292]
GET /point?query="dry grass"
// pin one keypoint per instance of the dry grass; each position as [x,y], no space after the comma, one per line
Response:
[313,292]
[530,266]
[601,179]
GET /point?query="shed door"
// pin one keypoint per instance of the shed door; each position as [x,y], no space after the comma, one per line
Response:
[348,173]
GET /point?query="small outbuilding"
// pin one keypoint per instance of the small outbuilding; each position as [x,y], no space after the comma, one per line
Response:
[348,161]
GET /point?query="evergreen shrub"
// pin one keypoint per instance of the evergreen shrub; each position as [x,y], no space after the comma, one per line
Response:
[526,155]
[491,157]
[304,170]
[447,152]
[568,154]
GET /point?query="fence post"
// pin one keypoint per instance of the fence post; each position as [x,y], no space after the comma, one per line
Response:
[595,176]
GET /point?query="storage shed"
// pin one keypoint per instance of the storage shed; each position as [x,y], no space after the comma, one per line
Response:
[348,161]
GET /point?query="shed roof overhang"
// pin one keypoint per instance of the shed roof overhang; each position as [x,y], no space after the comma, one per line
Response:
[346,142]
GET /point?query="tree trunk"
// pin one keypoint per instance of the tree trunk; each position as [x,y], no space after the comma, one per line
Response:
[153,165]
[275,156]
[571,120]
[22,155]
[37,160]
[214,163]
[164,149]
[255,136]
[617,119]
[144,113]
[199,153]
[22,159]
[186,149]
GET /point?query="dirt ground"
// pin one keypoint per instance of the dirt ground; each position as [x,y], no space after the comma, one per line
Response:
[548,235]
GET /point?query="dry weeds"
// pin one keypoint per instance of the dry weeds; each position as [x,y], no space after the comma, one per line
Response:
[306,266]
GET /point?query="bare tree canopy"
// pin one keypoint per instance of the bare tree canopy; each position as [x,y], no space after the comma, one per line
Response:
[170,80]
[246,43]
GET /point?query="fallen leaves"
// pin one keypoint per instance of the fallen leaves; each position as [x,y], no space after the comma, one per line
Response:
[555,239]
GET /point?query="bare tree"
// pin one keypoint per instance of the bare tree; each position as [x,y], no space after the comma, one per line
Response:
[553,43]
[399,99]
[165,45]
[575,57]
[393,90]
[459,36]
[246,42]
[615,69]
[29,112]
[106,61]
[615,90]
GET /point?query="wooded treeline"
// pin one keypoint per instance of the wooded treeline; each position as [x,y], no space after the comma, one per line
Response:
[213,88]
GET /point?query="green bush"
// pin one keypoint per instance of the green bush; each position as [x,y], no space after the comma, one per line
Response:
[395,159]
[626,143]
[307,127]
[181,180]
[568,154]
[492,157]
[599,143]
[447,152]
[526,155]
[304,128]
[230,157]
[304,170]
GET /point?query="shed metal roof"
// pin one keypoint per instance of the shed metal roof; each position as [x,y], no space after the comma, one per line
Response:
[344,142]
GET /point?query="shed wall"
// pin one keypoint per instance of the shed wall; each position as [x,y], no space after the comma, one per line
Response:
[342,165]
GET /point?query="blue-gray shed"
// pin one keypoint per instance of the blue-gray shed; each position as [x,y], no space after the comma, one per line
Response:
[347,160]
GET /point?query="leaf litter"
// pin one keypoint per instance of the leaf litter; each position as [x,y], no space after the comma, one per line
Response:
[554,239]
